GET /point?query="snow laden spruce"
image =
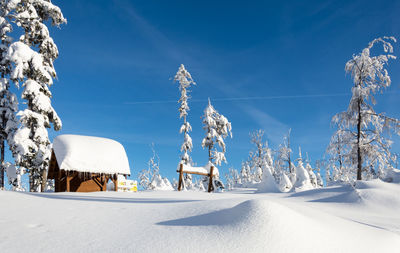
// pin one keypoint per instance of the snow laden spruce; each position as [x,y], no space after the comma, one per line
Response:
[8,100]
[360,148]
[29,62]
[217,128]
[185,81]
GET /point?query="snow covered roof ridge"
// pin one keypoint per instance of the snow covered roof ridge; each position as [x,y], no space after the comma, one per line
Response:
[90,154]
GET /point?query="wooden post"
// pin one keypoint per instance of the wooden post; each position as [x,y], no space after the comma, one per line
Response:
[180,177]
[210,183]
[115,181]
[68,181]
[57,181]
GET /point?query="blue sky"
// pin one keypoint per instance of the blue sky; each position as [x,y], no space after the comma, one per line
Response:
[117,58]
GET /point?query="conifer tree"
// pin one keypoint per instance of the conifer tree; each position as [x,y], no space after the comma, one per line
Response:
[8,100]
[217,129]
[313,177]
[185,81]
[31,59]
[303,181]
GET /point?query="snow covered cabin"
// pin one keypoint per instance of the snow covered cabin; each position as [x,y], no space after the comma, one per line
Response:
[85,163]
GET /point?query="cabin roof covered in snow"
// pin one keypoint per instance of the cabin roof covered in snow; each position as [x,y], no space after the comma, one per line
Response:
[90,154]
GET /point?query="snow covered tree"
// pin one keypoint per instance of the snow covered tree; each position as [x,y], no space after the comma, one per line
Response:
[284,162]
[263,154]
[285,183]
[245,174]
[217,129]
[150,178]
[8,121]
[362,128]
[313,177]
[261,163]
[319,164]
[339,157]
[8,100]
[185,80]
[232,178]
[284,152]
[31,64]
[14,175]
[303,181]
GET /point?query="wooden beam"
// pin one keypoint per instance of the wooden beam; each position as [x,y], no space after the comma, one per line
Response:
[96,180]
[193,172]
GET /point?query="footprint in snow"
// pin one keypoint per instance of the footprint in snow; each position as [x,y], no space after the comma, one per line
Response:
[34,225]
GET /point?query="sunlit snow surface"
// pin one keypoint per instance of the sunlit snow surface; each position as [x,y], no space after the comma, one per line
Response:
[333,219]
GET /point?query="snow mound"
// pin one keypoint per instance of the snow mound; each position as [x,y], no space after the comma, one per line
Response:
[393,176]
[264,224]
[379,193]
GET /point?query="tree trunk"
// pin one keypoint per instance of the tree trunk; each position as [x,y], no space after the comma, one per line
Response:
[289,160]
[209,154]
[31,185]
[339,154]
[184,134]
[2,165]
[359,159]
[2,147]
[44,180]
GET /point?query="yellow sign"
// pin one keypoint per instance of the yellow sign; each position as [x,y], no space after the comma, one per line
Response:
[127,185]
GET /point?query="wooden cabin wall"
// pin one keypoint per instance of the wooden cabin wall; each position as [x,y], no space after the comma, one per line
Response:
[80,182]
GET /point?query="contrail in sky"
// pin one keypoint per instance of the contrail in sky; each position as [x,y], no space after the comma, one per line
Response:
[245,98]
[238,99]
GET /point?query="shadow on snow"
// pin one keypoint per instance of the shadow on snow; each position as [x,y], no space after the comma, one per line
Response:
[108,199]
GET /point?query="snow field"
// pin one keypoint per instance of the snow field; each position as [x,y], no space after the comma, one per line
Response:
[333,219]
